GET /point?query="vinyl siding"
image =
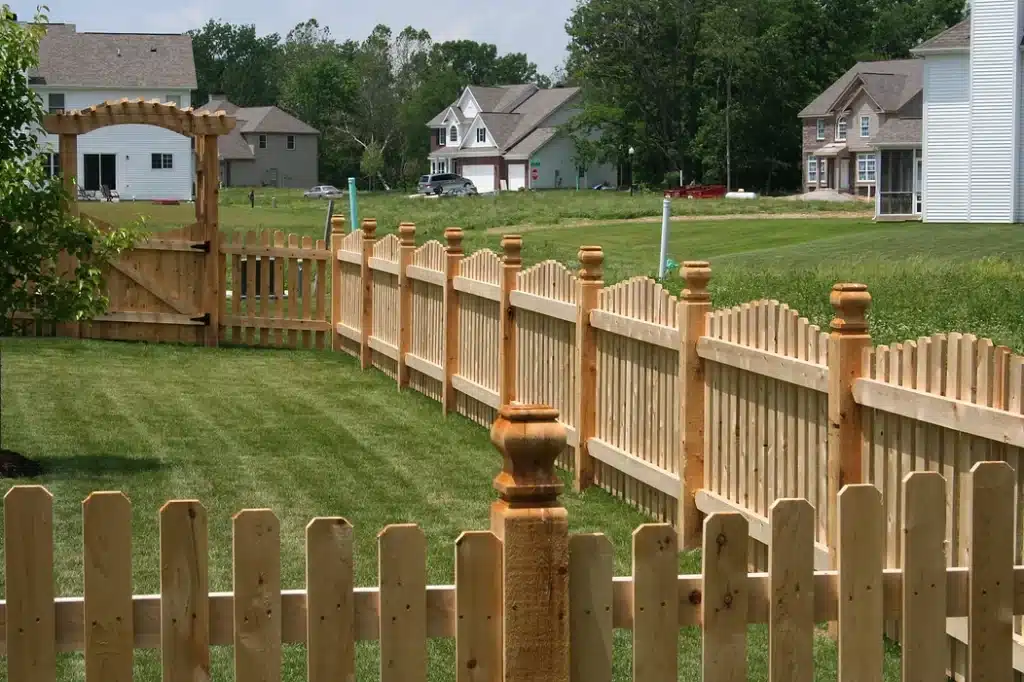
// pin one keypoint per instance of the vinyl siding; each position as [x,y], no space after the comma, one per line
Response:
[134,146]
[947,116]
[993,139]
[471,142]
[557,155]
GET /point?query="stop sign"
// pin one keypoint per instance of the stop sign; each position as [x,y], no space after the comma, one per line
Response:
[535,173]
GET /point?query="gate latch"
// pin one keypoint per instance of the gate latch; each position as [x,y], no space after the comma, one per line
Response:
[204,318]
[202,246]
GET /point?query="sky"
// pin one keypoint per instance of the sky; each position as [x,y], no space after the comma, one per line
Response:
[536,27]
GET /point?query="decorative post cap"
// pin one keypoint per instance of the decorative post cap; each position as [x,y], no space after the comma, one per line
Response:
[407,234]
[369,228]
[453,235]
[697,274]
[591,261]
[337,224]
[512,248]
[530,438]
[851,302]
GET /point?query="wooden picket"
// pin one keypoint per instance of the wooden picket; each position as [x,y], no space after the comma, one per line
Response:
[330,614]
[476,382]
[384,337]
[426,350]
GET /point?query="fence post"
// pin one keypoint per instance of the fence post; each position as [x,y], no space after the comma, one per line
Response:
[366,280]
[847,341]
[588,285]
[511,264]
[406,247]
[453,256]
[692,320]
[210,187]
[337,234]
[534,531]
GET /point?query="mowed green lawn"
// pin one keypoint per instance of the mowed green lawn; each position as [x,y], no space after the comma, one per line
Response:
[304,433]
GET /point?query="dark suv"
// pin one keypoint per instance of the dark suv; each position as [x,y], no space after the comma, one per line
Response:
[445,183]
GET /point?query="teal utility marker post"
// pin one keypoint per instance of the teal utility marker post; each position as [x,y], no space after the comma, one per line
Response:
[353,224]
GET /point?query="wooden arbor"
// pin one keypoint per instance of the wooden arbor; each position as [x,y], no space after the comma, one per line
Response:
[166,289]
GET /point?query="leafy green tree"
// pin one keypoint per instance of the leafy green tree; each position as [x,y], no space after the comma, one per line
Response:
[232,60]
[37,234]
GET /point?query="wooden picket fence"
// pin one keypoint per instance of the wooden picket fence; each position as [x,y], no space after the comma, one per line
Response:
[515,617]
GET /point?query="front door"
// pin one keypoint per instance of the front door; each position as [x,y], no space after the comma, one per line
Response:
[844,174]
[823,173]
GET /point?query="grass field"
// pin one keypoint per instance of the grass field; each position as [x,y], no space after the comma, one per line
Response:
[302,432]
[477,214]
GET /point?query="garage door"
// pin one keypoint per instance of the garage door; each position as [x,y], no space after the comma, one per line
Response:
[481,175]
[516,176]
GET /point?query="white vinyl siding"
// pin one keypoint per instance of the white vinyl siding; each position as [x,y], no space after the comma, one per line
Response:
[947,116]
[134,146]
[995,47]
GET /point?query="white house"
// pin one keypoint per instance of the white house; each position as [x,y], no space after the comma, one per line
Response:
[973,149]
[510,137]
[77,70]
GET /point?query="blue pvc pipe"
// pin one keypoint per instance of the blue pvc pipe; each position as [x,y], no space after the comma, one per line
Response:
[353,205]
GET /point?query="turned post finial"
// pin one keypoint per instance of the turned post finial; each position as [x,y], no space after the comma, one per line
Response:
[591,263]
[453,235]
[337,224]
[407,234]
[697,274]
[529,438]
[512,249]
[369,228]
[851,303]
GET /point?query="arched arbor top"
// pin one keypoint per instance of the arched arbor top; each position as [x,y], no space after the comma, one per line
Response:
[186,122]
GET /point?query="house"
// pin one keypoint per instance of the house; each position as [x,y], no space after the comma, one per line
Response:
[268,147]
[79,70]
[872,111]
[973,137]
[509,137]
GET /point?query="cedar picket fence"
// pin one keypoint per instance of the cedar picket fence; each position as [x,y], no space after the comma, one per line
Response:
[501,608]
[670,405]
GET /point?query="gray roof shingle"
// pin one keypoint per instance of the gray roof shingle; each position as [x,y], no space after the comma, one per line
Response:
[955,38]
[532,142]
[261,119]
[114,60]
[890,83]
[898,131]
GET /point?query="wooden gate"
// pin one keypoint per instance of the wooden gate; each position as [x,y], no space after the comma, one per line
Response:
[165,289]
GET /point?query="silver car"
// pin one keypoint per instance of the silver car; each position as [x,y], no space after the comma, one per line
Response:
[445,183]
[323,192]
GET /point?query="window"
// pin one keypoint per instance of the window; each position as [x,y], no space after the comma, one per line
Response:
[291,142]
[866,167]
[263,141]
[453,134]
[173,99]
[441,137]
[812,169]
[163,161]
[52,165]
[56,102]
[841,129]
[865,126]
[481,135]
[821,129]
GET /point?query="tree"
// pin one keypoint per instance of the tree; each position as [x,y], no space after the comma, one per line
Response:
[35,227]
[37,233]
[232,60]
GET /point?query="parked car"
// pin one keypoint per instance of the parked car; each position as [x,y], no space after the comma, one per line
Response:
[323,192]
[445,183]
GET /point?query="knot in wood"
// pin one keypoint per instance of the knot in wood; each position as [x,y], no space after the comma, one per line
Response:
[529,438]
[721,540]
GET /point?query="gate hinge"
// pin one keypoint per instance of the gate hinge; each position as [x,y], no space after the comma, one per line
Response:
[202,246]
[204,318]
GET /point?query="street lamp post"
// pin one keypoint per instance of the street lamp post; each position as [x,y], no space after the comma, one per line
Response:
[631,152]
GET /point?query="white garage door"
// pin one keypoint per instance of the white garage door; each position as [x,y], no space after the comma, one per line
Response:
[481,175]
[516,176]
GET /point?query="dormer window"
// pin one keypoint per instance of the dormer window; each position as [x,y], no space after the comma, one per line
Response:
[453,134]
[481,135]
